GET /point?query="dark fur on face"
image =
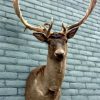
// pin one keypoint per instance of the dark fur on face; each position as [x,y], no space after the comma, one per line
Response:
[56,41]
[57,35]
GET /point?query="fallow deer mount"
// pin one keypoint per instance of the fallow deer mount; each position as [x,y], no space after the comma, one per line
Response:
[44,82]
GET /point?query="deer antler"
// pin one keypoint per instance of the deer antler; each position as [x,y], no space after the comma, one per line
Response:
[76,25]
[50,27]
[27,25]
[88,12]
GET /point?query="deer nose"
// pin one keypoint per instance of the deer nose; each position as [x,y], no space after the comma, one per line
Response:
[59,53]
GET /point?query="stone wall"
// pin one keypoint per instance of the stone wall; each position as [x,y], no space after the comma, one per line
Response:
[20,51]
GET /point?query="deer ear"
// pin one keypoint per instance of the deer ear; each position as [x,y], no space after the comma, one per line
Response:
[40,36]
[72,32]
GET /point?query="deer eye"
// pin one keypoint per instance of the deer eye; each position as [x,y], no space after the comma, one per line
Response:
[48,41]
[66,40]
[53,44]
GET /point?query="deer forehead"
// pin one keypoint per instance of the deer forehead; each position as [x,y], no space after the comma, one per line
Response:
[57,38]
[57,42]
[57,35]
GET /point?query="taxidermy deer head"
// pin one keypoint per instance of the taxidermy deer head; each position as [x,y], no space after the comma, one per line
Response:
[44,82]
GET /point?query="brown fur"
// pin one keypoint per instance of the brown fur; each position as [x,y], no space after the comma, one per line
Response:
[44,82]
[31,94]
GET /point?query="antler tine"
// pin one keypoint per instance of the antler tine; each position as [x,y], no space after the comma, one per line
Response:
[88,12]
[63,30]
[50,27]
[27,25]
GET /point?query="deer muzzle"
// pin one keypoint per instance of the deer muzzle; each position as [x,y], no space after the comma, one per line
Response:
[59,54]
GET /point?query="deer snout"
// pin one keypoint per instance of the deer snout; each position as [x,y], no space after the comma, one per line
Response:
[59,53]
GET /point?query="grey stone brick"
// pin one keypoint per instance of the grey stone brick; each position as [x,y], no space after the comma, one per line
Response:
[1,52]
[6,9]
[28,62]
[27,4]
[15,83]
[66,98]
[16,41]
[1,98]
[12,27]
[2,68]
[23,76]
[81,68]
[92,86]
[96,54]
[43,52]
[34,11]
[42,62]
[69,92]
[70,79]
[80,57]
[58,13]
[21,91]
[14,98]
[74,61]
[44,19]
[12,16]
[8,46]
[96,80]
[87,53]
[2,38]
[97,92]
[94,97]
[37,44]
[8,91]
[77,85]
[10,21]
[90,74]
[35,2]
[48,15]
[16,54]
[84,79]
[7,3]
[17,68]
[42,9]
[95,69]
[8,75]
[2,83]
[26,36]
[38,57]
[79,97]
[98,64]
[2,13]
[50,6]
[2,25]
[80,47]
[90,63]
[6,60]
[86,92]
[28,49]
[8,33]
[75,73]
[65,85]
[1,2]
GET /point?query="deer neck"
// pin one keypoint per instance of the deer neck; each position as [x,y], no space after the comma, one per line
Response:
[54,73]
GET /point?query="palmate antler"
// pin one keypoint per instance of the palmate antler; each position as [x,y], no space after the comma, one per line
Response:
[29,26]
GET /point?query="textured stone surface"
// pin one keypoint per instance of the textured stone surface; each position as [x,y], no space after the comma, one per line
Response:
[20,52]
